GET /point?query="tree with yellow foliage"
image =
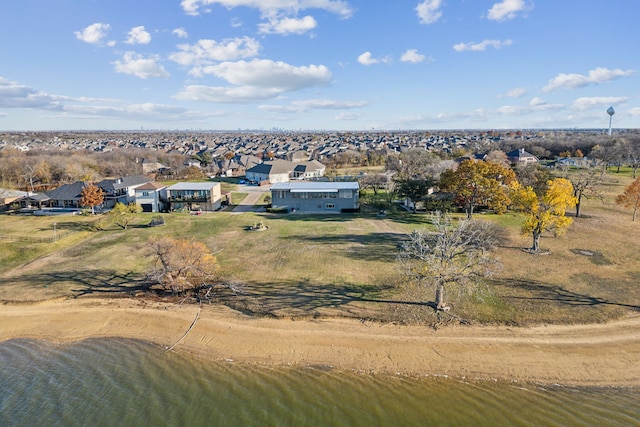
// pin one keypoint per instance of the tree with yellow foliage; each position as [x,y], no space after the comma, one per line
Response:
[546,213]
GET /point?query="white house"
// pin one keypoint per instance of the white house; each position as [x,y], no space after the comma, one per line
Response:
[151,197]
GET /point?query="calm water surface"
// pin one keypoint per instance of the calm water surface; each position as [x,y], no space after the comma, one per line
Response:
[130,383]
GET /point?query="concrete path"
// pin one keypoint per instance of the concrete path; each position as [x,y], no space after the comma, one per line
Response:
[249,203]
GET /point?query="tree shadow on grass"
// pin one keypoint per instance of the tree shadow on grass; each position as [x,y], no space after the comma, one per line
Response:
[305,299]
[557,294]
[89,282]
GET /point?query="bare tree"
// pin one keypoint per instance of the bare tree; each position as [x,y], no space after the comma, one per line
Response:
[454,257]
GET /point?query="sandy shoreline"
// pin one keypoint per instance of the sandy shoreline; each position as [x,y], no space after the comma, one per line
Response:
[594,355]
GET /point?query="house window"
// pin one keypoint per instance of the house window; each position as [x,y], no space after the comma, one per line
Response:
[346,194]
[145,194]
[329,206]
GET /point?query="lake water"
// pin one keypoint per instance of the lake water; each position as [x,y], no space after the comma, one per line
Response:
[107,382]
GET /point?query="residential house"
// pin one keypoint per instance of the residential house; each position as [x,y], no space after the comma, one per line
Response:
[151,197]
[8,196]
[271,171]
[194,196]
[520,156]
[316,197]
[309,170]
[121,190]
[67,195]
[151,166]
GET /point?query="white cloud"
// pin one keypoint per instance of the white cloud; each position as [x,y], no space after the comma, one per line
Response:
[139,66]
[412,55]
[588,103]
[482,46]
[596,76]
[429,11]
[265,73]
[368,59]
[517,92]
[206,51]
[537,102]
[180,33]
[94,33]
[635,111]
[288,25]
[313,104]
[228,95]
[271,7]
[14,95]
[344,116]
[138,35]
[507,10]
[256,80]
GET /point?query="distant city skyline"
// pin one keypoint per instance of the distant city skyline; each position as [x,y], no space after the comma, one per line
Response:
[318,64]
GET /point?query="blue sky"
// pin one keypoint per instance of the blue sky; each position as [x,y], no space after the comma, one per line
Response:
[318,64]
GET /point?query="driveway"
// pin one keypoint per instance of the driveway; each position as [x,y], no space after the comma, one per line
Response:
[254,193]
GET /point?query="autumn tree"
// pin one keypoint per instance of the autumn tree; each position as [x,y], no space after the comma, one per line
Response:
[630,198]
[546,213]
[479,183]
[187,266]
[91,196]
[586,184]
[122,215]
[454,257]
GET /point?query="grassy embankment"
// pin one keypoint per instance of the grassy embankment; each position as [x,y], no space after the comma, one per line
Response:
[337,265]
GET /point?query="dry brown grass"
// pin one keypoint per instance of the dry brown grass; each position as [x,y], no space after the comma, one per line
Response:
[306,266]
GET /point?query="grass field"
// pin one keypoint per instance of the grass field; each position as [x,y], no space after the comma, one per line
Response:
[311,265]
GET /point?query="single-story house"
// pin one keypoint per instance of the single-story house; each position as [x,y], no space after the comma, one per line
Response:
[316,197]
[309,170]
[521,156]
[67,195]
[205,196]
[8,196]
[272,171]
[151,197]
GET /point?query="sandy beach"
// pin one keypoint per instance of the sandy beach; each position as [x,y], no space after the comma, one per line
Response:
[594,355]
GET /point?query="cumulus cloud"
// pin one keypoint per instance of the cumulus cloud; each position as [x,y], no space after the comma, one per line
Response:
[206,51]
[140,66]
[429,11]
[94,33]
[368,59]
[138,35]
[256,80]
[180,33]
[517,92]
[596,76]
[507,10]
[271,7]
[412,55]
[588,103]
[288,25]
[482,46]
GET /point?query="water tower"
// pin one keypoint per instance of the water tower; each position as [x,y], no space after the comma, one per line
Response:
[610,112]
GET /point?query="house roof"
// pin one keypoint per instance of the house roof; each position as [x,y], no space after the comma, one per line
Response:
[315,186]
[124,182]
[151,186]
[313,165]
[193,186]
[274,167]
[67,191]
[520,154]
